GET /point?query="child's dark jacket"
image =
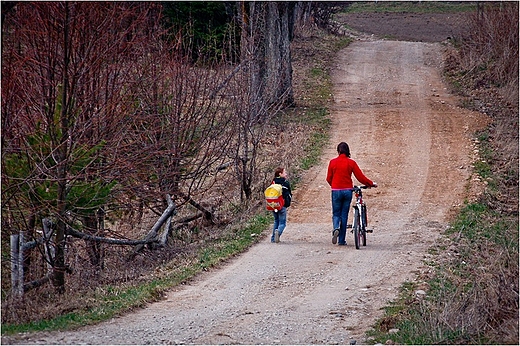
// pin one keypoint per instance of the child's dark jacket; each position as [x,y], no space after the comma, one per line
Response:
[286,191]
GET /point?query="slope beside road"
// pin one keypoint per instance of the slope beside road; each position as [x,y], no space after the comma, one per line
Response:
[407,134]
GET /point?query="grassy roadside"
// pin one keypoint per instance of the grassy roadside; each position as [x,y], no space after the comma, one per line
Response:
[110,301]
[470,298]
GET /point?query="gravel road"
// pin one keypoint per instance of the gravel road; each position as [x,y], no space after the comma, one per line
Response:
[407,134]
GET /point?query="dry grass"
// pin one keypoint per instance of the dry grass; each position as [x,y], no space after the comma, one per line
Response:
[490,48]
[479,283]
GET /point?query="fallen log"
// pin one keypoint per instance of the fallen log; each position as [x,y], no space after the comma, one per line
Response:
[152,235]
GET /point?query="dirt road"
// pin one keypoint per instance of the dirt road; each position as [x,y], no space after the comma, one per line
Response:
[406,133]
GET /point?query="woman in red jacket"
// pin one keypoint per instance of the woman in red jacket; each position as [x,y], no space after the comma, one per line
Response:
[339,177]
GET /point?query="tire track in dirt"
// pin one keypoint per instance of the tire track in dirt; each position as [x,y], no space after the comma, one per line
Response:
[406,133]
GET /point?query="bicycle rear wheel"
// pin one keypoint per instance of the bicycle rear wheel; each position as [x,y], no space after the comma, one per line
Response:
[356,227]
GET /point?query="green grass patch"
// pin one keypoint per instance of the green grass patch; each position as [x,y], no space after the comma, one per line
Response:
[110,301]
[318,140]
[477,222]
[410,6]
[317,72]
[227,247]
[320,87]
[341,43]
[482,166]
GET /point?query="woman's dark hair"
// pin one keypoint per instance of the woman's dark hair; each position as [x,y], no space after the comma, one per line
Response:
[278,171]
[343,149]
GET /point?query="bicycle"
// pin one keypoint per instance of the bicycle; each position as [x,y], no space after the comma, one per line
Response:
[360,222]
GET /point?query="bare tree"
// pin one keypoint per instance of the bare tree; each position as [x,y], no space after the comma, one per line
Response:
[278,35]
[185,131]
[114,108]
[67,67]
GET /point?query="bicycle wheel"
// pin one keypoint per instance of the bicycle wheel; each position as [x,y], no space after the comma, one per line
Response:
[364,215]
[356,227]
[364,225]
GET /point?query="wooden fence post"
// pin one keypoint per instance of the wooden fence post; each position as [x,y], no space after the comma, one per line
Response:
[17,265]
[48,245]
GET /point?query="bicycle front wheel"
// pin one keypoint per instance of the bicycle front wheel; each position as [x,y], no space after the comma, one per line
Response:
[363,232]
[356,227]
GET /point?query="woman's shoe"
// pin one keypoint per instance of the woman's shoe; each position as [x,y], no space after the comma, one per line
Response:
[335,236]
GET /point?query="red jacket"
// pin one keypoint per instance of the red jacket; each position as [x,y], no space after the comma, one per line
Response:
[339,173]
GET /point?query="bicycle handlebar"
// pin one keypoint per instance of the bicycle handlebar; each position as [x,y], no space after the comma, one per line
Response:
[364,187]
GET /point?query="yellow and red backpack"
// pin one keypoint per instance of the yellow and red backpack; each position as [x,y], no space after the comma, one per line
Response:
[274,197]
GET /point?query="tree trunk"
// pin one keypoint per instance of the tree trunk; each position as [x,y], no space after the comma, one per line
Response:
[58,277]
[302,15]
[94,248]
[278,53]
[267,29]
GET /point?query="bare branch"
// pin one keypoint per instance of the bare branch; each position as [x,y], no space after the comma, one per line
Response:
[77,234]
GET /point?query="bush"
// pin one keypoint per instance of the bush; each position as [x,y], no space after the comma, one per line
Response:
[490,44]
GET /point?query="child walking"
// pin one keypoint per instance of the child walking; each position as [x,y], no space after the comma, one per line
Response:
[280,217]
